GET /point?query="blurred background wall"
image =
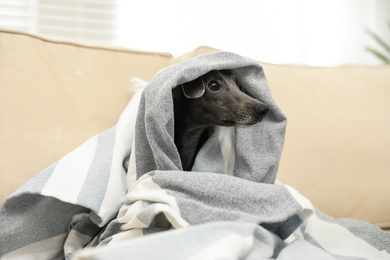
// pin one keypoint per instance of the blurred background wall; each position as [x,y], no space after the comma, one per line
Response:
[300,32]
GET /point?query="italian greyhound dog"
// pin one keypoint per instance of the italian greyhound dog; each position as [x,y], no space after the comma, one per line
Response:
[212,99]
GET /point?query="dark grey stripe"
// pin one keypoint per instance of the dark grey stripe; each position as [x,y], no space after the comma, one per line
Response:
[209,197]
[37,183]
[95,185]
[29,218]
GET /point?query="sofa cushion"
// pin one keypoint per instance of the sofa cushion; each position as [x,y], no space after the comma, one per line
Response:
[338,137]
[55,95]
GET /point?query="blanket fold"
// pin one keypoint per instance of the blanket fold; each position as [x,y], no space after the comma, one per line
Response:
[257,149]
[123,194]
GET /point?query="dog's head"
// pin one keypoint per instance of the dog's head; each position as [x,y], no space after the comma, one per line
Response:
[216,98]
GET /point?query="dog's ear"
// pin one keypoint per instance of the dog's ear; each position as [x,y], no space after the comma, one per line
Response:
[193,89]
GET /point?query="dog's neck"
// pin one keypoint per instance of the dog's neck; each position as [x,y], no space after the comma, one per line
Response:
[188,137]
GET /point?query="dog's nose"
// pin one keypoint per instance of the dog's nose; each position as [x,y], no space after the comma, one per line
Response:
[261,110]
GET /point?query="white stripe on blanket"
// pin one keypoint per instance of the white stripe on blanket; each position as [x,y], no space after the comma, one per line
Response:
[68,177]
[123,145]
[339,241]
[50,248]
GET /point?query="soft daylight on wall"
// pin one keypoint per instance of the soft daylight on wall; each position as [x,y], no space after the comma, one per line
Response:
[303,32]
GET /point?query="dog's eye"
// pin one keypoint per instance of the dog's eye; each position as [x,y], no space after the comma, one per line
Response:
[214,86]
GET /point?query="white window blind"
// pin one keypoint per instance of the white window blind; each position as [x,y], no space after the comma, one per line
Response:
[81,20]
[16,14]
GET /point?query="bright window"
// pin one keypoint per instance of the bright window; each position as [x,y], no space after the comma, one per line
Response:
[306,32]
[303,32]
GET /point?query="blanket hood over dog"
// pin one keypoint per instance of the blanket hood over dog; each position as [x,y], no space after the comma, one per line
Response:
[89,206]
[256,150]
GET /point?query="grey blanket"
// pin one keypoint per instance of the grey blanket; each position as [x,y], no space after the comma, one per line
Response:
[89,206]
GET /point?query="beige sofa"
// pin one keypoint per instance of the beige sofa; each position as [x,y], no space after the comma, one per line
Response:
[55,95]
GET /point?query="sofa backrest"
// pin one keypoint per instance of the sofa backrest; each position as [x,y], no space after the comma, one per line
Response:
[55,95]
[338,137]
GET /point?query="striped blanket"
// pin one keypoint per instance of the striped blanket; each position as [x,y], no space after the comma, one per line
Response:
[123,194]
